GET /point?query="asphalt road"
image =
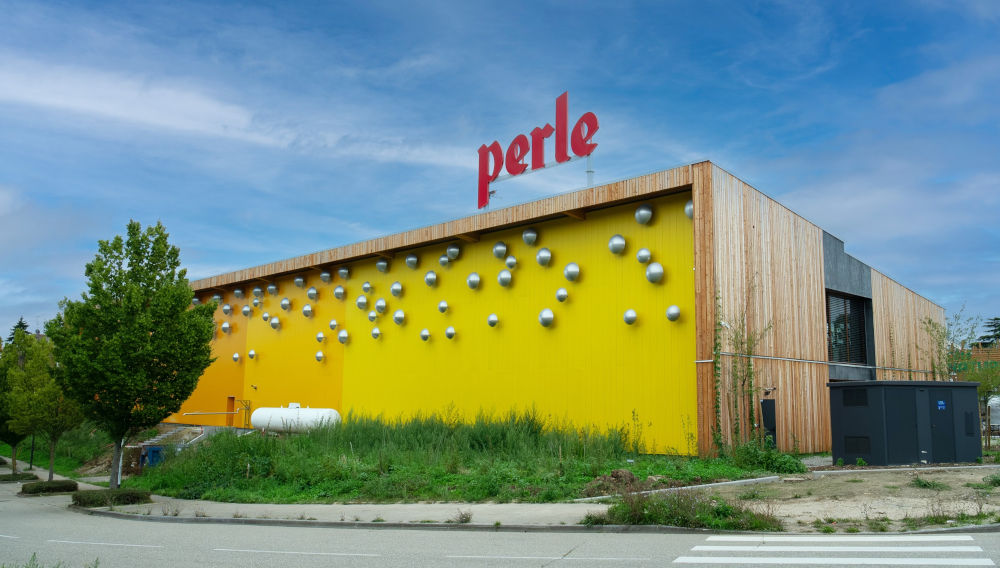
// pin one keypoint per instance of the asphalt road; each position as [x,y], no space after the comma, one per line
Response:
[46,527]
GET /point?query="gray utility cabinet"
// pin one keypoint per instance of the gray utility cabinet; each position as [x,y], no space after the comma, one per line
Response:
[904,422]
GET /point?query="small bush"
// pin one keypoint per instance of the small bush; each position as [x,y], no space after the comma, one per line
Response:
[59,486]
[109,497]
[861,462]
[757,455]
[993,480]
[21,476]
[690,509]
[922,483]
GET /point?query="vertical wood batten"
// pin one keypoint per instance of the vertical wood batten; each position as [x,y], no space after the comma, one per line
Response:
[704,290]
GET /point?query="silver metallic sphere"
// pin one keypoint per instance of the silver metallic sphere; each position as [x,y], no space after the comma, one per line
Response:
[195,301]
[257,292]
[453,251]
[275,323]
[252,354]
[342,336]
[372,315]
[361,302]
[449,332]
[643,214]
[616,244]
[339,293]
[266,316]
[382,265]
[643,255]
[572,271]
[473,280]
[325,276]
[511,262]
[300,282]
[412,261]
[238,293]
[319,355]
[504,278]
[546,318]
[376,333]
[320,337]
[256,302]
[399,317]
[492,320]
[443,260]
[227,309]
[654,272]
[247,311]
[226,327]
[286,304]
[333,324]
[562,294]
[344,272]
[630,316]
[216,298]
[312,293]
[380,305]
[396,289]
[689,209]
[236,357]
[544,256]
[442,306]
[500,249]
[366,287]
[431,278]
[307,310]
[529,236]
[425,334]
[673,312]
[272,289]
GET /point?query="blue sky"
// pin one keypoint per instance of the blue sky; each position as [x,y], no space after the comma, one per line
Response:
[257,133]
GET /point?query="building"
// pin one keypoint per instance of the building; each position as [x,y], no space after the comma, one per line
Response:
[646,284]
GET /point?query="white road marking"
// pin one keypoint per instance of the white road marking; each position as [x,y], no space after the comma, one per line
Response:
[584,558]
[769,548]
[874,561]
[106,543]
[844,538]
[294,552]
[8,536]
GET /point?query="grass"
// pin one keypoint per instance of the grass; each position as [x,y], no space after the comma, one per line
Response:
[75,448]
[33,563]
[691,509]
[922,483]
[516,457]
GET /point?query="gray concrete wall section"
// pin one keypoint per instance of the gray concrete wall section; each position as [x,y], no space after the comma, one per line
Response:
[848,275]
[843,272]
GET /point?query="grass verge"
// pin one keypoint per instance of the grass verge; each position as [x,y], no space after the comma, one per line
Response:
[690,509]
[517,457]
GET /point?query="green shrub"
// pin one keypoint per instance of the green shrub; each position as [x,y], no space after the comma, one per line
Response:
[922,483]
[20,476]
[993,480]
[691,509]
[760,456]
[110,497]
[861,462]
[58,486]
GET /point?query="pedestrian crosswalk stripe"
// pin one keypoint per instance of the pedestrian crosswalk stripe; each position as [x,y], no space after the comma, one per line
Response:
[834,561]
[779,548]
[842,538]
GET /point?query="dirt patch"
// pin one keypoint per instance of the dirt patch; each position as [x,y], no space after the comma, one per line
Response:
[875,500]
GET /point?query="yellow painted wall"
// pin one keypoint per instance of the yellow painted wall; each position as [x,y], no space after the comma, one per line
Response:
[588,368]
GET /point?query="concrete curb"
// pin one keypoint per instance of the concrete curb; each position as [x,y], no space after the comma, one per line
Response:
[768,479]
[824,472]
[408,526]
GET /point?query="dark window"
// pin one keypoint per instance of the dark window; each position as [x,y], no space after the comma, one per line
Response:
[855,397]
[845,338]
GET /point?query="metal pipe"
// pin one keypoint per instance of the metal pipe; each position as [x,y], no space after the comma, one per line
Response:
[209,413]
[794,360]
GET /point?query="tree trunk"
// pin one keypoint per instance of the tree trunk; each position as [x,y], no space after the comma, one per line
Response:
[13,458]
[52,456]
[116,461]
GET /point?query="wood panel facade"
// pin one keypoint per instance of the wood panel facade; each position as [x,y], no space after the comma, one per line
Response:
[903,348]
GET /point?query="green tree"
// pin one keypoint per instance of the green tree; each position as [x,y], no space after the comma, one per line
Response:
[992,336]
[20,325]
[951,341]
[35,402]
[11,358]
[132,349]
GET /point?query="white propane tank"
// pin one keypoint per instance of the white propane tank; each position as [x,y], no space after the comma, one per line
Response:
[292,419]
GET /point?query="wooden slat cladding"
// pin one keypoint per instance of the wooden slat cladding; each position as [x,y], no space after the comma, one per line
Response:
[768,265]
[901,341]
[986,353]
[575,202]
[701,194]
